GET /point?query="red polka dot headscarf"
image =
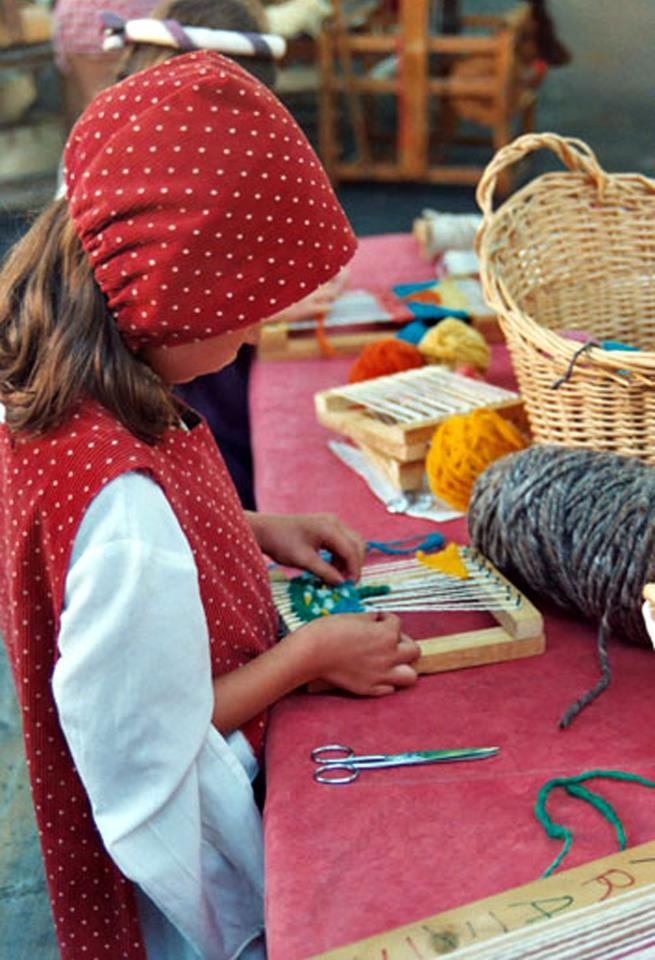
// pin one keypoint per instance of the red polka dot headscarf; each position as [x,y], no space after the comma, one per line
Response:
[200,202]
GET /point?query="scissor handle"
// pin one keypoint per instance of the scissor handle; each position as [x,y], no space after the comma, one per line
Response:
[325,773]
[325,756]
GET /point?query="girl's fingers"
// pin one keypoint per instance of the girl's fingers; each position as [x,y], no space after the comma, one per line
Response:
[402,675]
[356,551]
[348,549]
[321,568]
[408,650]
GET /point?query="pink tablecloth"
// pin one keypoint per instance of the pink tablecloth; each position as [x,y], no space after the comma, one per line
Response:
[345,863]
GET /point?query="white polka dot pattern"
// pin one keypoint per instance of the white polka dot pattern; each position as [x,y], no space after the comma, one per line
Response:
[199,201]
[45,487]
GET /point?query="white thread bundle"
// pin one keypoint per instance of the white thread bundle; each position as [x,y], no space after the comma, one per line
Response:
[426,393]
[231,42]
[449,231]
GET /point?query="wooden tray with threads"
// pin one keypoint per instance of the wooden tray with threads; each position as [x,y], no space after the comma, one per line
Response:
[519,629]
[355,318]
[394,417]
[359,317]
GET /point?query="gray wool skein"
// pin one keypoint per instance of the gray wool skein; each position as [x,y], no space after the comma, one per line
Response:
[576,527]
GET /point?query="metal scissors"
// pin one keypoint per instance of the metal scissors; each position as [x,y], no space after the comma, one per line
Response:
[334,758]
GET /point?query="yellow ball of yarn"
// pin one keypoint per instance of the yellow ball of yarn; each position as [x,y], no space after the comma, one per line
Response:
[455,343]
[462,447]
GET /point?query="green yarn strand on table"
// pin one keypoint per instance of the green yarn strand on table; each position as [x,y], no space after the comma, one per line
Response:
[574,787]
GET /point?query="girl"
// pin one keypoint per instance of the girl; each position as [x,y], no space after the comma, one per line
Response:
[222,397]
[134,598]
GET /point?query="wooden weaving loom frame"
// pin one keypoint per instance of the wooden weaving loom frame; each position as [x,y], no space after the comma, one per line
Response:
[396,445]
[284,340]
[298,341]
[519,631]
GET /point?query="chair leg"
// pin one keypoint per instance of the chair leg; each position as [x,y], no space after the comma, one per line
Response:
[528,114]
[502,135]
[326,118]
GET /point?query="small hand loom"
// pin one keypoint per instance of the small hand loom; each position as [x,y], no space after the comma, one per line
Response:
[358,317]
[393,418]
[410,586]
[355,318]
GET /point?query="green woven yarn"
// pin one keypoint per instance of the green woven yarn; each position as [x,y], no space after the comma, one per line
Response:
[311,598]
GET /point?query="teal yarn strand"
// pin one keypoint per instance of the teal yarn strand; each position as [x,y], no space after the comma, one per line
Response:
[573,786]
[603,806]
[407,545]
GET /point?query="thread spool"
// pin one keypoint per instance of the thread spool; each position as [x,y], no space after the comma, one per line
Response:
[576,526]
[437,232]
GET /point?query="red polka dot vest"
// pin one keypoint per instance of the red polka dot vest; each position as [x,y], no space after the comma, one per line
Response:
[45,488]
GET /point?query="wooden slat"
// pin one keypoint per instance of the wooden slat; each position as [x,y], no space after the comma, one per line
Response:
[474,648]
[413,92]
[280,345]
[405,476]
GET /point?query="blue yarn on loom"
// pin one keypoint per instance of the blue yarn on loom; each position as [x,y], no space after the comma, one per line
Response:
[406,289]
[618,345]
[433,541]
[413,332]
[402,547]
[430,311]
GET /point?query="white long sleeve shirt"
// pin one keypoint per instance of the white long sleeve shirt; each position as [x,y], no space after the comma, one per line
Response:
[171,797]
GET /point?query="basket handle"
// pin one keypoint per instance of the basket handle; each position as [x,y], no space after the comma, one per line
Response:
[574,154]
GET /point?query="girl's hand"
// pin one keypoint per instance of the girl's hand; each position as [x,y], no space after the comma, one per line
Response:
[295,541]
[364,653]
[318,302]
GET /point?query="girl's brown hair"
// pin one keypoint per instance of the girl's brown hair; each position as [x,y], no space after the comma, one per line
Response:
[245,15]
[59,344]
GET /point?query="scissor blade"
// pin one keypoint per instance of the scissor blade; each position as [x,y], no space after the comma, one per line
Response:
[437,756]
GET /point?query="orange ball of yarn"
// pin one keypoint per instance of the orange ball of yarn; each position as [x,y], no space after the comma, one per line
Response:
[385,356]
[462,448]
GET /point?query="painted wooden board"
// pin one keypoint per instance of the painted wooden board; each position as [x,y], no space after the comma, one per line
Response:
[587,897]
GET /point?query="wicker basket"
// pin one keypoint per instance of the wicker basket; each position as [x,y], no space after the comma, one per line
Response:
[575,251]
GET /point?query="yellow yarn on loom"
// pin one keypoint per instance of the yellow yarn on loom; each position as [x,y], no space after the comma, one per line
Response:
[455,343]
[448,561]
[462,447]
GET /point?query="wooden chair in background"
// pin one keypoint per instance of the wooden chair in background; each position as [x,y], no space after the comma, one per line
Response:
[487,74]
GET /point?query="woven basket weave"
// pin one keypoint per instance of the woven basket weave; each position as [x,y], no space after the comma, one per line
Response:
[575,251]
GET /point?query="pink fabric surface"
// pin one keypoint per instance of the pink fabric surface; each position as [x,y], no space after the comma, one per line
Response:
[344,863]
